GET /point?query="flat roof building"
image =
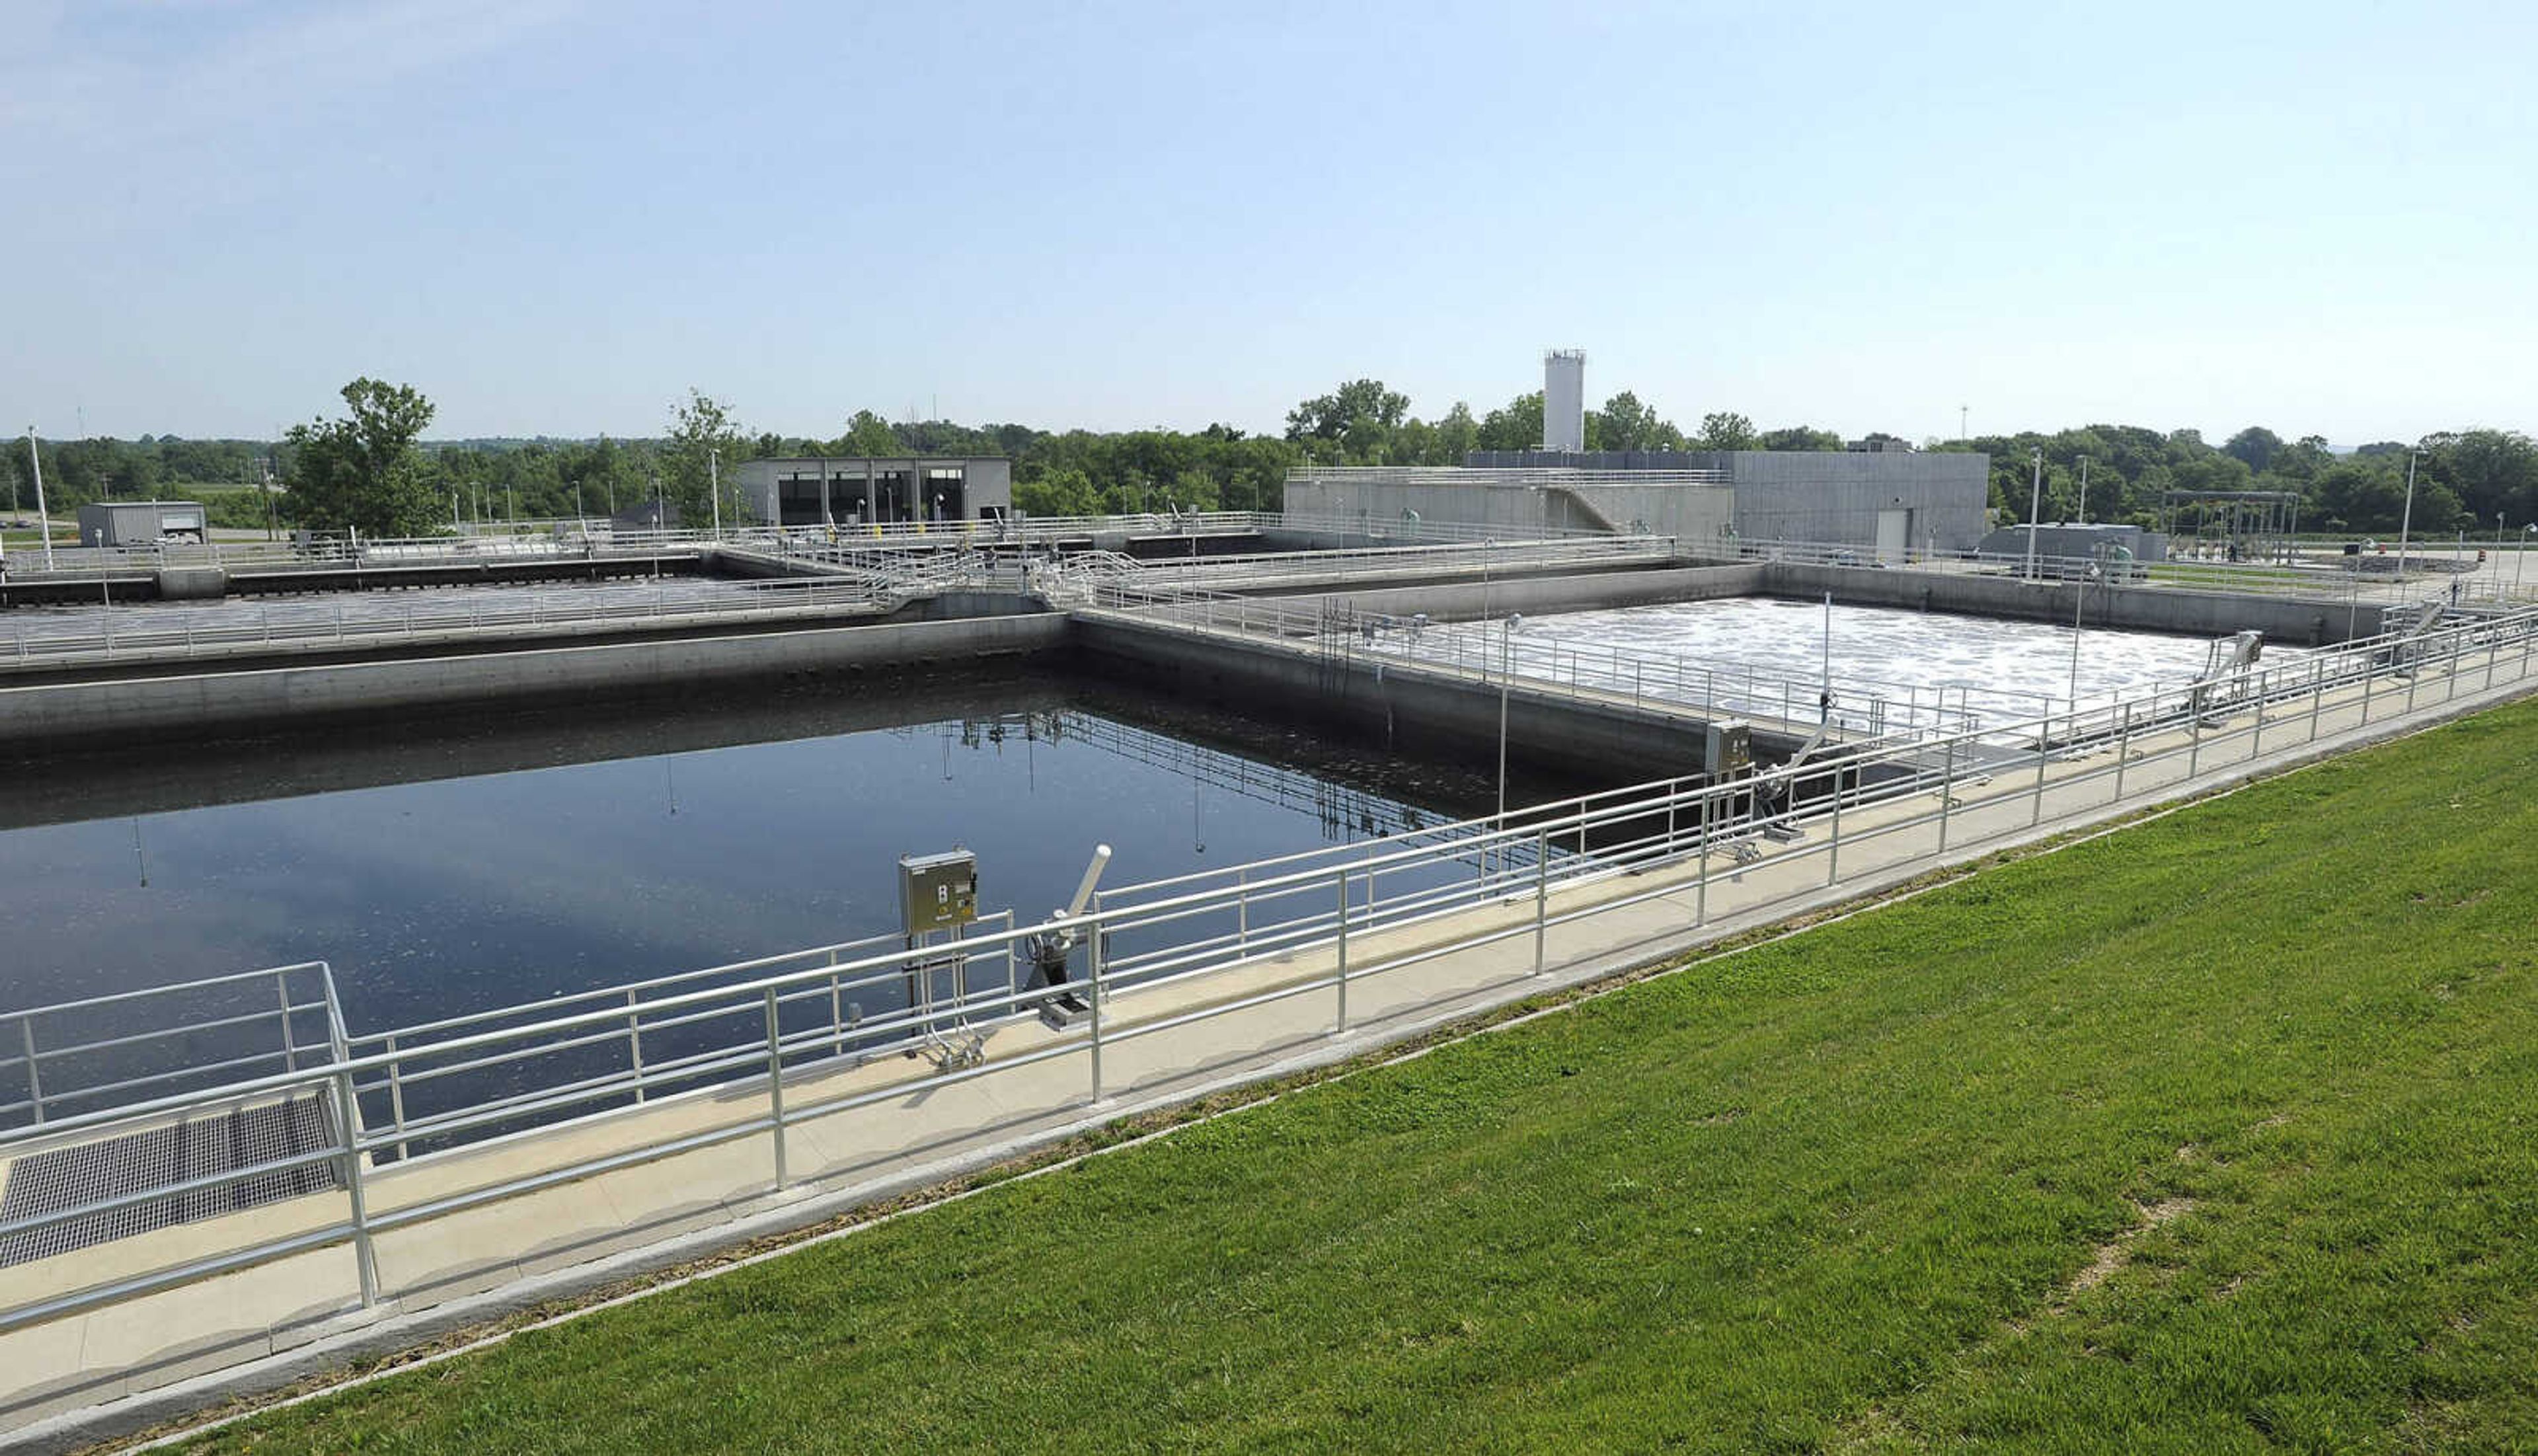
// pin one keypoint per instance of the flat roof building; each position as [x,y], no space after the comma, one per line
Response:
[143,522]
[876,490]
[1888,501]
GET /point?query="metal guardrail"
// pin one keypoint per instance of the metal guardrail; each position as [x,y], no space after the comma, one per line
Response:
[2254,578]
[757,1020]
[180,632]
[568,540]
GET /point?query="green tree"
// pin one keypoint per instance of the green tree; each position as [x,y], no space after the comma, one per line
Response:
[1798,438]
[1343,412]
[1727,431]
[1625,424]
[868,433]
[700,429]
[1458,435]
[1514,426]
[2256,445]
[363,472]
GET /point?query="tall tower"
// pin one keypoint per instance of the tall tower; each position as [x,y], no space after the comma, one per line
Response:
[1564,399]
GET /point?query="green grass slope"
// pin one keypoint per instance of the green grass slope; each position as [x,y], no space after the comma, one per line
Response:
[2215,1134]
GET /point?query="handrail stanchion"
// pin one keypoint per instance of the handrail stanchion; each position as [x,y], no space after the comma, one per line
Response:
[1700,882]
[635,1043]
[1541,893]
[2125,750]
[1947,791]
[365,1261]
[2316,693]
[776,1088]
[34,1079]
[1833,849]
[1093,997]
[1341,981]
[396,1097]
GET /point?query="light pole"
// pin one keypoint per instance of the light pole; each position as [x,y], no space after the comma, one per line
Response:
[2406,523]
[714,487]
[2521,555]
[43,517]
[2035,508]
[2498,555]
[2084,490]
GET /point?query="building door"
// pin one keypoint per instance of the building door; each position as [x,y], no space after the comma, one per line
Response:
[1894,535]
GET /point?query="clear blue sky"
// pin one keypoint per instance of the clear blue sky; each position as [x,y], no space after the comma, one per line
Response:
[554,215]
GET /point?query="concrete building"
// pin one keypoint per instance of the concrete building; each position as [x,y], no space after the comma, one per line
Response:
[837,490]
[142,523]
[1885,500]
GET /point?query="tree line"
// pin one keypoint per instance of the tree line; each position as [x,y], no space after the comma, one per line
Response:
[371,468]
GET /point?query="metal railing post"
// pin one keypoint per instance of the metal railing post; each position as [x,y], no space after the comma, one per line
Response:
[775,1088]
[635,1043]
[2124,748]
[396,1095]
[2044,734]
[1092,994]
[1833,850]
[1947,793]
[1341,982]
[34,1079]
[1242,910]
[2316,693]
[1701,884]
[365,1261]
[1541,893]
[290,1046]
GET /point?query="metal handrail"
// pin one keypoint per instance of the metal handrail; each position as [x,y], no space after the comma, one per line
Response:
[1958,765]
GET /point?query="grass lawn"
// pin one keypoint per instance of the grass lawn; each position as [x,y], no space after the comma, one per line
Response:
[2214,1134]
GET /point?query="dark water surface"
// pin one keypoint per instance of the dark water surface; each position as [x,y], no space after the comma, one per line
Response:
[454,867]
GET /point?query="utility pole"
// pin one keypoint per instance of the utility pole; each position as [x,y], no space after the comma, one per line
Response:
[43,517]
[2084,490]
[713,486]
[2035,508]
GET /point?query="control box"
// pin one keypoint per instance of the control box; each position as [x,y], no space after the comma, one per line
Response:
[938,892]
[1729,752]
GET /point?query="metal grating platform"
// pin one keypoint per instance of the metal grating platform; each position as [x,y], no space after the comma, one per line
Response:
[67,1177]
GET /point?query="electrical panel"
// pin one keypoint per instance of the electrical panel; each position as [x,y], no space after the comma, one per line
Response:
[1729,752]
[938,892]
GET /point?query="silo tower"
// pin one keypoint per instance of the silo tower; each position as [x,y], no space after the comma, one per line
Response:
[1564,399]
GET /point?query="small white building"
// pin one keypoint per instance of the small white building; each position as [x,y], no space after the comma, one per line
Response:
[143,523]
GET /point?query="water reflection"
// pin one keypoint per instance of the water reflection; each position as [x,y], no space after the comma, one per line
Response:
[452,867]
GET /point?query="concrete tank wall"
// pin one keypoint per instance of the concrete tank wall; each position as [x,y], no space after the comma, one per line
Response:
[139,709]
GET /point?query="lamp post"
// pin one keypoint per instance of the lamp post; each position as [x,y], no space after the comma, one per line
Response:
[2035,508]
[43,517]
[2498,555]
[2406,523]
[1506,655]
[2084,490]
[714,487]
[2521,555]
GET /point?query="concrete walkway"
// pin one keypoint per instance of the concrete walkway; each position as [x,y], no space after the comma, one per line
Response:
[1035,1086]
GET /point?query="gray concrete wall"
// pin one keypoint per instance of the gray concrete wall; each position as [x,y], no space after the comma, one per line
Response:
[2307,622]
[1835,495]
[1541,595]
[136,708]
[1401,709]
[1690,513]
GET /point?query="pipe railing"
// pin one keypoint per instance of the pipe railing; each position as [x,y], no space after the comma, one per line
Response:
[1337,916]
